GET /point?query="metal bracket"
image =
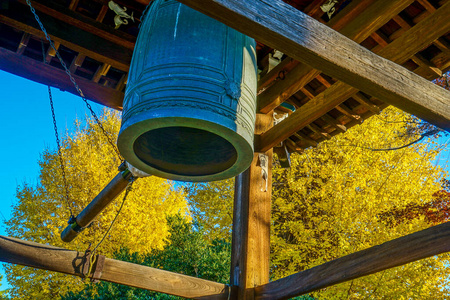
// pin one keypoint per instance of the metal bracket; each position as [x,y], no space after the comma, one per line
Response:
[277,118]
[121,15]
[264,164]
[97,267]
[329,7]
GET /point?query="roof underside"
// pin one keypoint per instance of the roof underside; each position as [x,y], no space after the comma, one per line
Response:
[99,55]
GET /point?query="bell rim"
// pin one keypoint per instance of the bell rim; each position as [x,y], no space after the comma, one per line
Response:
[140,124]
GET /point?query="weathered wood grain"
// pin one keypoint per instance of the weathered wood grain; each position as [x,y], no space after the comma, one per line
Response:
[19,16]
[419,245]
[68,16]
[31,69]
[51,258]
[372,15]
[251,223]
[398,51]
[278,25]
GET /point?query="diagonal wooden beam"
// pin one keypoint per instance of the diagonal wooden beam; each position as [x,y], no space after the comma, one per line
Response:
[61,260]
[278,25]
[352,10]
[372,18]
[409,248]
[398,51]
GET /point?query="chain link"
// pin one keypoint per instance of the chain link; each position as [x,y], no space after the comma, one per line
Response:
[61,161]
[58,143]
[72,79]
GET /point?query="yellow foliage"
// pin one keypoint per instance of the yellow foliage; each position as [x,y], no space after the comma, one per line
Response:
[333,200]
[42,212]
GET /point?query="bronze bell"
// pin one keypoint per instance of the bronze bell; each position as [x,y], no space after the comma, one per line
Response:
[190,102]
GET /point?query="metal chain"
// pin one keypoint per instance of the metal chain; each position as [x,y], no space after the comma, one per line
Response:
[72,79]
[58,143]
[61,161]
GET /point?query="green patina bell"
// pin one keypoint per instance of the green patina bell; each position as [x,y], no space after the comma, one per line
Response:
[189,107]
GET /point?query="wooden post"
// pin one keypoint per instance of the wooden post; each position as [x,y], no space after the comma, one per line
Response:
[251,221]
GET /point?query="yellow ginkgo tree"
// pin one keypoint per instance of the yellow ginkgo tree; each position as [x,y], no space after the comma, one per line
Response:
[341,196]
[41,211]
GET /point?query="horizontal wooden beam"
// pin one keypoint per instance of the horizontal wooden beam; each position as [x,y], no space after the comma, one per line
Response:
[61,260]
[282,27]
[419,245]
[398,51]
[19,16]
[42,73]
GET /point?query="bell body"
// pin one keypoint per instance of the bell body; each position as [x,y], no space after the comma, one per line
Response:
[190,103]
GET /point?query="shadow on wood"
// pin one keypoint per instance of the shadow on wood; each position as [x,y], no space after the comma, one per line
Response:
[429,242]
[61,260]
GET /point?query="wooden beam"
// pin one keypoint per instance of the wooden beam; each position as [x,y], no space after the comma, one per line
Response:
[358,29]
[398,51]
[70,17]
[251,222]
[51,52]
[77,62]
[334,123]
[366,103]
[73,4]
[101,71]
[278,25]
[23,43]
[34,70]
[61,260]
[101,15]
[306,114]
[406,249]
[20,17]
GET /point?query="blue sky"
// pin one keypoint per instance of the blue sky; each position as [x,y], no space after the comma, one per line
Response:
[27,129]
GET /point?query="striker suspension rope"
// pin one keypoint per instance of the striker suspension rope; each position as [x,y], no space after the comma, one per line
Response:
[92,257]
[72,79]
[58,143]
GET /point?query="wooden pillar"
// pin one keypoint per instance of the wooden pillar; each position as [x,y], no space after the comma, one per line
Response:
[251,221]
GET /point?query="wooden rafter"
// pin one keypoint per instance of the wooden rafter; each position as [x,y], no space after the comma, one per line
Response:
[358,29]
[48,75]
[67,15]
[398,51]
[20,17]
[317,45]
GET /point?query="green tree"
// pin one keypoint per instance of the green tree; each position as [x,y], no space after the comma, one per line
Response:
[211,207]
[41,211]
[334,199]
[187,252]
